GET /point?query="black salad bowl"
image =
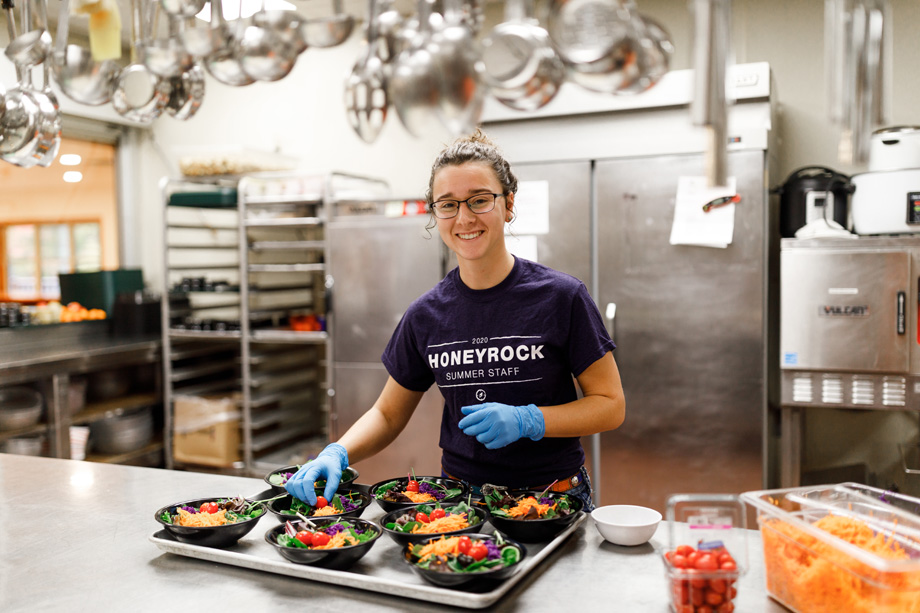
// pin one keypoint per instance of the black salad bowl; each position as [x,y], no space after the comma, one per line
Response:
[348,476]
[477,524]
[279,506]
[461,491]
[209,536]
[340,558]
[452,579]
[536,530]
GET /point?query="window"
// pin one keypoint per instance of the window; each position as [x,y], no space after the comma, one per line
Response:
[52,221]
[36,253]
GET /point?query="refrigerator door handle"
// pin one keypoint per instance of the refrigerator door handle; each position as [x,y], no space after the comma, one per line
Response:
[610,314]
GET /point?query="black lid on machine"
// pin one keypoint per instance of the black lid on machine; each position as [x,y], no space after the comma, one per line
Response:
[806,193]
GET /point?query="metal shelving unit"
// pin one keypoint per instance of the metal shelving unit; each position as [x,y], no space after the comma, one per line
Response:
[201,335]
[283,255]
[280,371]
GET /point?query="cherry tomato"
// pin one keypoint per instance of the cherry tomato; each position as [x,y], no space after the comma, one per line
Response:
[478,551]
[321,502]
[696,597]
[706,562]
[437,514]
[726,607]
[679,561]
[320,539]
[725,557]
[685,608]
[704,609]
[412,486]
[209,507]
[713,599]
[698,583]
[304,537]
[463,546]
[718,586]
[683,550]
[421,517]
[729,566]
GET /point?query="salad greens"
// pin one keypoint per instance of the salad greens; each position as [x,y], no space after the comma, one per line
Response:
[360,533]
[236,510]
[468,555]
[407,522]
[394,491]
[342,504]
[500,503]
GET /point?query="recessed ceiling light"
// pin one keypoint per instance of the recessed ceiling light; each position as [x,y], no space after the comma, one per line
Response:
[232,10]
[73,176]
[70,159]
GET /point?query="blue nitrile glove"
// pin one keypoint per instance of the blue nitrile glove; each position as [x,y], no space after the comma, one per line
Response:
[328,465]
[496,425]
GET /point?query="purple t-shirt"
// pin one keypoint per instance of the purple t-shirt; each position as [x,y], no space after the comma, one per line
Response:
[517,343]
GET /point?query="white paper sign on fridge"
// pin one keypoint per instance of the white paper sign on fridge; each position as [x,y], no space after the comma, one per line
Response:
[523,246]
[691,225]
[531,208]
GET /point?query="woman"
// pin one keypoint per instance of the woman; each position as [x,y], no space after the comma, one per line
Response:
[502,337]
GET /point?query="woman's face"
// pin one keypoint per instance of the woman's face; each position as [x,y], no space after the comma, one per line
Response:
[472,236]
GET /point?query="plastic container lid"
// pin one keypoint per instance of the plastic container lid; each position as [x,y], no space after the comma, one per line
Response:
[708,520]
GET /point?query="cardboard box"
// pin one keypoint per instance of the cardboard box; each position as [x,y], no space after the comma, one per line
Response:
[206,430]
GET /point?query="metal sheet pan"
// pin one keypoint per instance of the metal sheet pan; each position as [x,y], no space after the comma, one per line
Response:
[381,570]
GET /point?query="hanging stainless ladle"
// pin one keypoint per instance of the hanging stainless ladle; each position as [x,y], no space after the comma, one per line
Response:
[31,121]
[80,77]
[328,31]
[139,94]
[20,112]
[222,63]
[366,98]
[522,69]
[187,94]
[166,57]
[268,47]
[32,46]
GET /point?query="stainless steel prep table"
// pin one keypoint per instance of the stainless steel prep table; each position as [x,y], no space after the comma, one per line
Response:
[74,537]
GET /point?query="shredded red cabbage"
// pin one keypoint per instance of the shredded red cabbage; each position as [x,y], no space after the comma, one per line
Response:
[546,501]
[425,488]
[493,549]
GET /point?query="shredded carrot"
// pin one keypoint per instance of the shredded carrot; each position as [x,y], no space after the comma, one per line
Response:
[807,574]
[339,539]
[440,547]
[524,505]
[326,510]
[419,497]
[448,523]
[202,520]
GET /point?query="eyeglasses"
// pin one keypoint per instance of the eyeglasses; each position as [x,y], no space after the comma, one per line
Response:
[479,204]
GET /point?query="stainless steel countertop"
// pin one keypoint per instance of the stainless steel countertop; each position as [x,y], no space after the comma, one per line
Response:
[73,537]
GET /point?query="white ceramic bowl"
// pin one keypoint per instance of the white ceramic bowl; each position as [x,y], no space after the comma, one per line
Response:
[626,524]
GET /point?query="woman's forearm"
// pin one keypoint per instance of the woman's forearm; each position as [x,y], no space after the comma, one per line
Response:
[602,408]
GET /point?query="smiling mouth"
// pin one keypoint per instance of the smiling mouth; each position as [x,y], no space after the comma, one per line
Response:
[470,235]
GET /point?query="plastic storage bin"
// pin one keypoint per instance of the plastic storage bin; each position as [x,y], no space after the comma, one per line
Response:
[707,551]
[840,548]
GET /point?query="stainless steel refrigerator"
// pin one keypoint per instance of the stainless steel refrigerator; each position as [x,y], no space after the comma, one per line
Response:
[377,266]
[690,322]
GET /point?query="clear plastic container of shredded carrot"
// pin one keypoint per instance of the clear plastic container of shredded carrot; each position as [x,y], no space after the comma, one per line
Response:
[844,547]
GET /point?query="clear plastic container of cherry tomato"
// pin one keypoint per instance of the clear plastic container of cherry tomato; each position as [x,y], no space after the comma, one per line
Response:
[707,552]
